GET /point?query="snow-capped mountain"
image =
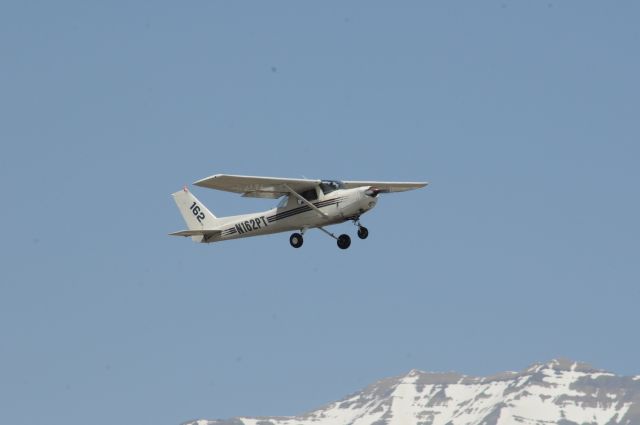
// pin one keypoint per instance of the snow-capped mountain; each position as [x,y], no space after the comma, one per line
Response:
[559,392]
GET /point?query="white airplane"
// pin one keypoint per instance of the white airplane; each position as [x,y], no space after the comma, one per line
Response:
[305,204]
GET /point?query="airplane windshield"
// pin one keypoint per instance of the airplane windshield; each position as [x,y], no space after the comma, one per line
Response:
[283,201]
[329,186]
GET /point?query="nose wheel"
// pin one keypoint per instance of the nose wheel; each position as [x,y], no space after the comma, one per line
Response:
[363,232]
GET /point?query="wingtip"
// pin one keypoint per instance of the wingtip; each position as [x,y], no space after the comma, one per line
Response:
[202,182]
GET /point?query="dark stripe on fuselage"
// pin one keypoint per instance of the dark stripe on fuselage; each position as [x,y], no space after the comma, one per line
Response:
[297,210]
[303,209]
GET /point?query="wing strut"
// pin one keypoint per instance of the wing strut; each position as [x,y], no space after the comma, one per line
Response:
[301,198]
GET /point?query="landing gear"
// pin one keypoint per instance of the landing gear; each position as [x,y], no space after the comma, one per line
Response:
[344,241]
[363,232]
[296,240]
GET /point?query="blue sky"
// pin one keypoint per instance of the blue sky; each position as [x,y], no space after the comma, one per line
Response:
[522,115]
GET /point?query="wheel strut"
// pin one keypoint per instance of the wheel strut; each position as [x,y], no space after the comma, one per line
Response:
[344,241]
[363,232]
[328,233]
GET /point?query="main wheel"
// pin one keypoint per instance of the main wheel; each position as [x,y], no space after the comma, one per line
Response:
[363,232]
[296,240]
[344,241]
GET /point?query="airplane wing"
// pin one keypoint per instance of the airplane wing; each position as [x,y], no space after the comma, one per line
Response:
[386,187]
[257,187]
[275,187]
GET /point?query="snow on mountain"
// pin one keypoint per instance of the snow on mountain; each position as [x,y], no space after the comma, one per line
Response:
[558,392]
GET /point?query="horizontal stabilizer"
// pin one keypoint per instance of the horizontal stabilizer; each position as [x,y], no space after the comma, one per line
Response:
[205,233]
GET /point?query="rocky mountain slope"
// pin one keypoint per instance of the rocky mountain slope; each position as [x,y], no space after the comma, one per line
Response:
[558,392]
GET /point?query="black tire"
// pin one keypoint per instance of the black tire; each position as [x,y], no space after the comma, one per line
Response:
[296,240]
[363,232]
[344,241]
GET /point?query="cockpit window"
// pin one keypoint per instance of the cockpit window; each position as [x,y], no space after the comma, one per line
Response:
[329,186]
[283,201]
[310,195]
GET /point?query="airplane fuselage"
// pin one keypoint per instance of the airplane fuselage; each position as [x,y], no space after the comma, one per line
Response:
[337,207]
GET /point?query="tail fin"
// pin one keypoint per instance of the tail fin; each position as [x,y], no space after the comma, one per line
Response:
[195,214]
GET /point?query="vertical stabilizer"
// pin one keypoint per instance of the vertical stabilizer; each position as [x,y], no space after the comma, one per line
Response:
[195,214]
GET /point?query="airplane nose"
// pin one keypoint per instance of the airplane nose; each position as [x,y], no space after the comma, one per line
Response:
[372,192]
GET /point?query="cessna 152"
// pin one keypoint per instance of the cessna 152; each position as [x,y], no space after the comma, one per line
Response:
[305,204]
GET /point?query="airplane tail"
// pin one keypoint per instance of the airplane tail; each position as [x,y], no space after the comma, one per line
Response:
[200,221]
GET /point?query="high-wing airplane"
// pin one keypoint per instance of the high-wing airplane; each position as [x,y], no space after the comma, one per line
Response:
[305,204]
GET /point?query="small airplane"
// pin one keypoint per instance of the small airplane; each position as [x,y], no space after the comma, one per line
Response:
[305,204]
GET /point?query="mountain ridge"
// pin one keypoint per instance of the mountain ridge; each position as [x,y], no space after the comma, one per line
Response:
[559,391]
